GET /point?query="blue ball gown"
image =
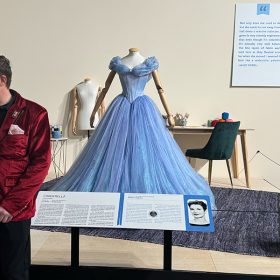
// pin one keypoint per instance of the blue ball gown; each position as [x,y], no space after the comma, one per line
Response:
[132,150]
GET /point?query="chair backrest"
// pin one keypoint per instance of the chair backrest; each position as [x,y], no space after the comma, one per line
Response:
[221,142]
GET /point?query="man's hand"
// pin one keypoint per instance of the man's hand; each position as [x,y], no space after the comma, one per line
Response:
[5,216]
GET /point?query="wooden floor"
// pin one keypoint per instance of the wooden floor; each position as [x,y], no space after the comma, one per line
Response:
[54,248]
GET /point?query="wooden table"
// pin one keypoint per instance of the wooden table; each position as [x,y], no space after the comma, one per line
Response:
[234,159]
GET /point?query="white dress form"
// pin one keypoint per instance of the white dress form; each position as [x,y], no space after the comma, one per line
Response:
[87,92]
[133,59]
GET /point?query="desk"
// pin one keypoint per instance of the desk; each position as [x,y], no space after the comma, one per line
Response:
[234,159]
[59,147]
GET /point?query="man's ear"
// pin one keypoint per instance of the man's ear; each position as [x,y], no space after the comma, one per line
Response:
[3,80]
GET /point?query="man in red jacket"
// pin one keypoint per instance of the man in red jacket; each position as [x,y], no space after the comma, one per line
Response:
[24,163]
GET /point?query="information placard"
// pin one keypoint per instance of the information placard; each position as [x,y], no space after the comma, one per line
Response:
[256,57]
[153,211]
[123,210]
[77,209]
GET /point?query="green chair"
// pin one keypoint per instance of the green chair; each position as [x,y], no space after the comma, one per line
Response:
[219,146]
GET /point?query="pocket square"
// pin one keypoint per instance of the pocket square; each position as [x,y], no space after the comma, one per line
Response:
[15,130]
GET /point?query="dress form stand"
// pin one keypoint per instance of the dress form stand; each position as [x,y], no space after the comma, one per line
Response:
[133,59]
[85,96]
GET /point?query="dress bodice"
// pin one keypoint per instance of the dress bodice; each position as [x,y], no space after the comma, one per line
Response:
[134,80]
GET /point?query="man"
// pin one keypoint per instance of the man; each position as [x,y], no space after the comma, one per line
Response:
[24,163]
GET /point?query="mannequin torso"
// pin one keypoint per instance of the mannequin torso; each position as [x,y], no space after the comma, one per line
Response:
[133,59]
[86,92]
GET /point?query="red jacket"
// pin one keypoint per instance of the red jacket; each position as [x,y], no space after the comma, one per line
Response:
[24,158]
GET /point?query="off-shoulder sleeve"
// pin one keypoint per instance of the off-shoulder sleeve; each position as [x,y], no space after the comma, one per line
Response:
[152,63]
[117,66]
[113,63]
[148,66]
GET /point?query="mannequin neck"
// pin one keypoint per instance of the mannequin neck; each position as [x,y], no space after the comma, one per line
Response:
[87,80]
[88,83]
[134,54]
[133,58]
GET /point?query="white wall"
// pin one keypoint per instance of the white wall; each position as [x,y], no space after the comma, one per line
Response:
[53,45]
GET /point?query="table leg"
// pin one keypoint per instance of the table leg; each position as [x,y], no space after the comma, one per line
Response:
[234,160]
[64,156]
[245,157]
[54,152]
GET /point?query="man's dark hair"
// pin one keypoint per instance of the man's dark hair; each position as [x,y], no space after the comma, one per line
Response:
[5,69]
[198,202]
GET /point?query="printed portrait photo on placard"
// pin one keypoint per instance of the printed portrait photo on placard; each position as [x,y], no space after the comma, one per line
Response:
[198,213]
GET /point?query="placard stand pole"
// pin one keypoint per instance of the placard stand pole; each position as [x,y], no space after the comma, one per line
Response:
[167,250]
[75,246]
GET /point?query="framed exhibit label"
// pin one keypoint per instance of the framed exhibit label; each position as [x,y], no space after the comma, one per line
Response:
[256,55]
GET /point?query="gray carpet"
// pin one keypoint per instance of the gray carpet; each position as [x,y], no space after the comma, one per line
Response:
[247,222]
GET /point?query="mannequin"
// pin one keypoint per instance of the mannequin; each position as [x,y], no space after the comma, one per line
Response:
[133,59]
[84,96]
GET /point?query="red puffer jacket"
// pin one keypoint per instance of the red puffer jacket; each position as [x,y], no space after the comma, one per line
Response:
[24,158]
